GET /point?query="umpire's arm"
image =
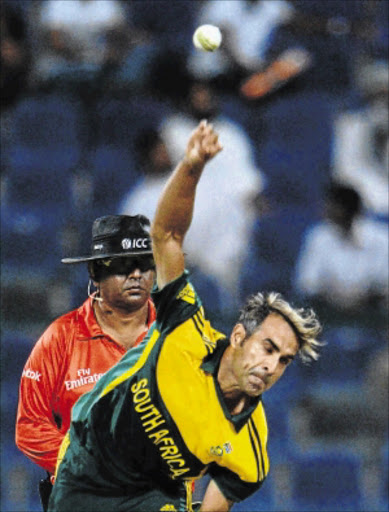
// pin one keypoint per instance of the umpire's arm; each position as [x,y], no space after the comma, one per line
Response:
[175,208]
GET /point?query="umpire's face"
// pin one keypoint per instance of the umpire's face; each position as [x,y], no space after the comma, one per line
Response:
[126,283]
[260,360]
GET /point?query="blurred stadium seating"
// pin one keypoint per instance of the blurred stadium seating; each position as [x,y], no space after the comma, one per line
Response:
[63,166]
[384,479]
[275,242]
[263,500]
[325,480]
[19,477]
[47,133]
[343,360]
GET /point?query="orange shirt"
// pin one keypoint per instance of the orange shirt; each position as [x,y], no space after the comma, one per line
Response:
[67,360]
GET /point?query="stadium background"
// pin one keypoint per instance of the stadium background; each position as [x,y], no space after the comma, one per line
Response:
[66,137]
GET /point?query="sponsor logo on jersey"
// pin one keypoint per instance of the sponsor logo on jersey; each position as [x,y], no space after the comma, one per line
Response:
[31,374]
[169,507]
[187,294]
[221,449]
[84,378]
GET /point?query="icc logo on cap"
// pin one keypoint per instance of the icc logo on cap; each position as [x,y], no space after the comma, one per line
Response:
[135,243]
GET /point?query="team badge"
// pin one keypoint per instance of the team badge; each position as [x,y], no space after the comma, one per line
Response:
[187,294]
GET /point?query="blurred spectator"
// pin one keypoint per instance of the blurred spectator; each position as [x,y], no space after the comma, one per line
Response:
[128,60]
[171,22]
[15,57]
[344,261]
[306,80]
[317,47]
[73,33]
[247,27]
[155,165]
[234,175]
[235,170]
[361,146]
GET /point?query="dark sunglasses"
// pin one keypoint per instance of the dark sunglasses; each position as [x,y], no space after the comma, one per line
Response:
[126,265]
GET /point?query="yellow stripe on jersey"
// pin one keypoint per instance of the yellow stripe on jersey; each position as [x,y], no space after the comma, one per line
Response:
[187,294]
[188,489]
[190,395]
[258,426]
[61,452]
[261,457]
[209,335]
[137,366]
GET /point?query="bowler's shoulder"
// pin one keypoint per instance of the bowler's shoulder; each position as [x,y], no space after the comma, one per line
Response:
[176,302]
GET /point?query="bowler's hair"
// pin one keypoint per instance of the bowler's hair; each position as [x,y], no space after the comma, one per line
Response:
[304,322]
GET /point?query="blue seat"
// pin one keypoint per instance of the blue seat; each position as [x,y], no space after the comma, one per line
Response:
[15,349]
[280,441]
[234,108]
[273,249]
[296,147]
[47,132]
[112,159]
[113,174]
[327,481]
[263,500]
[31,239]
[278,403]
[19,476]
[343,360]
[30,190]
[171,23]
[19,479]
[44,145]
[114,122]
[118,121]
[384,491]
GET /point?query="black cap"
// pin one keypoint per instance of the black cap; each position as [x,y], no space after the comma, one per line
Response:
[114,236]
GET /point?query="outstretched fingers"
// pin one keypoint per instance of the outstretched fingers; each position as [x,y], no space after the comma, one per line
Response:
[203,144]
[210,143]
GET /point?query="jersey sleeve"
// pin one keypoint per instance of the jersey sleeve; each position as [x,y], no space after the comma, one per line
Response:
[229,483]
[175,303]
[37,434]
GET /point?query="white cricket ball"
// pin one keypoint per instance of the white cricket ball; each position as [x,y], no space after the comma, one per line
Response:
[207,38]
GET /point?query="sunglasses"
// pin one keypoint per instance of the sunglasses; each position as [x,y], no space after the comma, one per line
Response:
[126,265]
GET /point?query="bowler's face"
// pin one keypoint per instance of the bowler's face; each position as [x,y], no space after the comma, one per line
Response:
[261,359]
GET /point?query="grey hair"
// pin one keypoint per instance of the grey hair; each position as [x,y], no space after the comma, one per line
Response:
[304,322]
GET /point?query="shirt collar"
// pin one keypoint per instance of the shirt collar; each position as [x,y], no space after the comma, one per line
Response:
[88,326]
[211,365]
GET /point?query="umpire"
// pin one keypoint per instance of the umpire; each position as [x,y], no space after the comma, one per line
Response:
[78,348]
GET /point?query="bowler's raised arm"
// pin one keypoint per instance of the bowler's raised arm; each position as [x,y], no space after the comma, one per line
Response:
[175,208]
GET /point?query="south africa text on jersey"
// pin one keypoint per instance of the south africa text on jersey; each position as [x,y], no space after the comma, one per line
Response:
[152,421]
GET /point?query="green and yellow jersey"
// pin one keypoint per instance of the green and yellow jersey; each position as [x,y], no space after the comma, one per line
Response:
[158,418]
